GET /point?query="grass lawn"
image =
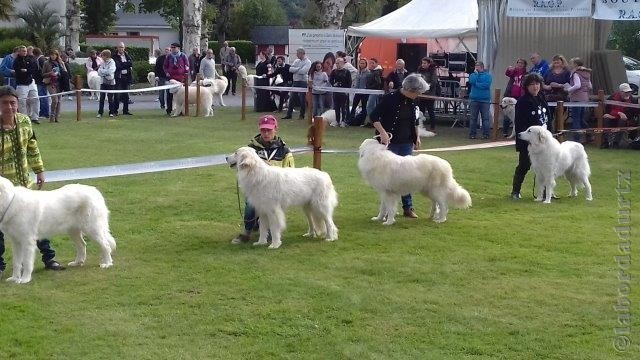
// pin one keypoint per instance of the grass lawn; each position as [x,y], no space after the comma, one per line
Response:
[503,280]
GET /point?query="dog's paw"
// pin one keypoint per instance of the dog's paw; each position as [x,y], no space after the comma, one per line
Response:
[259,243]
[537,199]
[439,220]
[274,245]
[75,263]
[547,201]
[23,280]
[13,279]
[389,222]
[377,218]
[590,198]
[104,266]
[331,239]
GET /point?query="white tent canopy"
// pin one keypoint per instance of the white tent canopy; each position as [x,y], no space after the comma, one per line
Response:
[424,19]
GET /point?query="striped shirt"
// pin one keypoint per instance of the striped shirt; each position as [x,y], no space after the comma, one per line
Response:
[19,152]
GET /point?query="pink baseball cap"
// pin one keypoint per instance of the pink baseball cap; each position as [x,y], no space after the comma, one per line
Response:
[268,122]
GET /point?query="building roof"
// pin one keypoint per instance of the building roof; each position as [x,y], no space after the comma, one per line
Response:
[270,35]
[140,19]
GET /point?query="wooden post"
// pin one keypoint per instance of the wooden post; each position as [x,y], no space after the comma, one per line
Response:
[198,109]
[243,108]
[496,114]
[316,132]
[308,97]
[186,95]
[78,98]
[560,118]
[599,112]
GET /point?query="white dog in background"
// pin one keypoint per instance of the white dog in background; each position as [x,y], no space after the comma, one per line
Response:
[74,210]
[508,106]
[151,78]
[94,80]
[551,159]
[393,176]
[206,99]
[216,87]
[422,131]
[271,190]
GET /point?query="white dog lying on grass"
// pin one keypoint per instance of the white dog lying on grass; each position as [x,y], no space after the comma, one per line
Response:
[550,159]
[393,176]
[271,190]
[27,216]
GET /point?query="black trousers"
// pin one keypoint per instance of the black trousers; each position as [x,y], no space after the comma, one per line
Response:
[524,164]
[341,106]
[359,98]
[44,246]
[232,76]
[429,105]
[122,97]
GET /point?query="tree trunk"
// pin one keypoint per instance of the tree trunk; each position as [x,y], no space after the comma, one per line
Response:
[191,24]
[331,12]
[222,21]
[72,15]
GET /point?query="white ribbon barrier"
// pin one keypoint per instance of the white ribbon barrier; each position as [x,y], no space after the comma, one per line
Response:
[155,88]
[574,104]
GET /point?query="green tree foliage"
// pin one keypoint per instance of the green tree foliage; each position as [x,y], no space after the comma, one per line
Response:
[98,16]
[6,9]
[42,25]
[249,13]
[625,36]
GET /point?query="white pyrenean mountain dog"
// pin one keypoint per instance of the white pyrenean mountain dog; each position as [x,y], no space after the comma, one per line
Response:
[272,189]
[206,99]
[94,80]
[216,87]
[551,159]
[75,210]
[393,176]
[508,106]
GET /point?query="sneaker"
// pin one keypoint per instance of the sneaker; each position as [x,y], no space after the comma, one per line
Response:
[516,196]
[98,116]
[410,213]
[242,238]
[485,137]
[472,137]
[127,113]
[54,265]
[110,115]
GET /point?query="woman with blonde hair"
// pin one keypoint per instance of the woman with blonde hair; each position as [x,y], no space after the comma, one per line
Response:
[52,72]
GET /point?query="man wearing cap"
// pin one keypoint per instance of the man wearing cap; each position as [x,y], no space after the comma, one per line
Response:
[618,115]
[395,114]
[275,152]
[176,67]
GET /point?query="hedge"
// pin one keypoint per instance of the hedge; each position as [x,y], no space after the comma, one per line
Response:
[136,53]
[140,71]
[7,45]
[244,48]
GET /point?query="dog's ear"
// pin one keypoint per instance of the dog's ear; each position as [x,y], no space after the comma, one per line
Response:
[246,160]
[541,137]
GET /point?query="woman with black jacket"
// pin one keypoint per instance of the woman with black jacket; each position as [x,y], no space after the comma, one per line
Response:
[531,109]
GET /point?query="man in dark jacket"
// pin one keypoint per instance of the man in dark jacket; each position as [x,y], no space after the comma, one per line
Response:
[124,65]
[25,68]
[161,76]
[396,115]
[281,68]
[429,73]
[374,82]
[340,78]
[42,88]
[395,79]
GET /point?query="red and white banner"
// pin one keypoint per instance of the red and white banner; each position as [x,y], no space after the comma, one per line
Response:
[550,8]
[617,10]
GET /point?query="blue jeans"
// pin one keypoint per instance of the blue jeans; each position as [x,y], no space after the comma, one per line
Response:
[44,102]
[44,246]
[403,150]
[318,104]
[300,96]
[577,121]
[250,217]
[475,108]
[162,94]
[372,103]
[10,81]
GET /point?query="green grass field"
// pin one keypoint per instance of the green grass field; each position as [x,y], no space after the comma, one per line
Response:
[502,280]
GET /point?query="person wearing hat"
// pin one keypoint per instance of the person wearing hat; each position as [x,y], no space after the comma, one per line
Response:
[176,67]
[618,115]
[272,149]
[19,155]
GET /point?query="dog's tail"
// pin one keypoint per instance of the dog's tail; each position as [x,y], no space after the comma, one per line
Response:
[458,197]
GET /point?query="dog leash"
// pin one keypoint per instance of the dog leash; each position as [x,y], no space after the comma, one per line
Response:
[7,209]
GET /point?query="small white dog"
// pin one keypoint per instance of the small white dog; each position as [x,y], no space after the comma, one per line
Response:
[271,190]
[508,106]
[216,87]
[393,176]
[74,210]
[206,99]
[151,78]
[422,131]
[94,80]
[550,159]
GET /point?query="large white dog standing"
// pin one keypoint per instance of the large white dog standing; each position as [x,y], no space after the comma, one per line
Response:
[272,189]
[28,215]
[393,176]
[206,99]
[550,159]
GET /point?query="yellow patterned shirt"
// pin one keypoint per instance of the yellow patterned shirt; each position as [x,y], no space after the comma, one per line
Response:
[19,153]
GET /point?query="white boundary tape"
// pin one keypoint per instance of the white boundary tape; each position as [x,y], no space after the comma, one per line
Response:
[204,161]
[155,88]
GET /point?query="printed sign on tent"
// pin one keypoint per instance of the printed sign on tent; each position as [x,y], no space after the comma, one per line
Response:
[617,10]
[549,8]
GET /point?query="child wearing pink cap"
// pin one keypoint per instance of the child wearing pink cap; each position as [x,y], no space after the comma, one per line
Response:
[272,149]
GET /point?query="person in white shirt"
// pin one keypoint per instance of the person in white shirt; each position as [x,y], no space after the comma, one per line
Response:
[300,70]
[208,66]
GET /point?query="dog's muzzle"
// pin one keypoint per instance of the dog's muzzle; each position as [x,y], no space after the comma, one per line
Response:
[231,162]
